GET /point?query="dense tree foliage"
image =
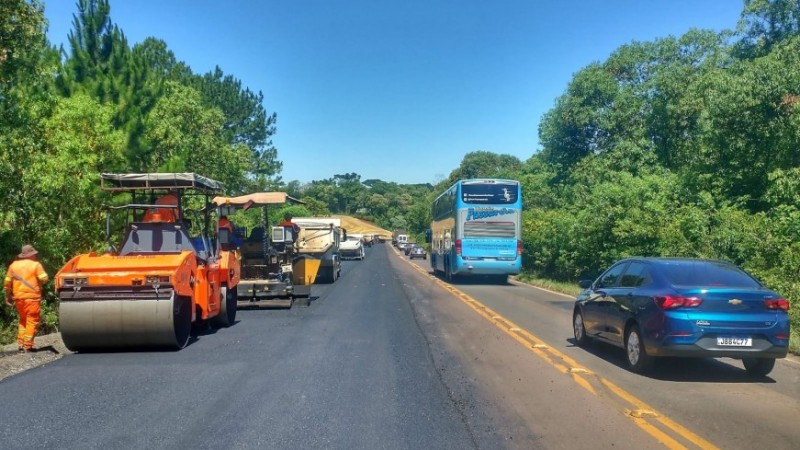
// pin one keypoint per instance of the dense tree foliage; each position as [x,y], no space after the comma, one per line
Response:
[104,106]
[678,147]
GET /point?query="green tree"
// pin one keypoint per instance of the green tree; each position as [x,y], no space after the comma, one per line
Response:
[25,99]
[483,164]
[377,204]
[577,125]
[246,122]
[323,191]
[764,23]
[185,135]
[81,142]
[160,60]
[750,124]
[315,206]
[102,65]
[349,189]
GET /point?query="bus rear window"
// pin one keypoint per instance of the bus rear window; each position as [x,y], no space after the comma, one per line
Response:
[489,193]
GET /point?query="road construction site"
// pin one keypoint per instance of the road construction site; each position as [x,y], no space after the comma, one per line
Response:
[393,357]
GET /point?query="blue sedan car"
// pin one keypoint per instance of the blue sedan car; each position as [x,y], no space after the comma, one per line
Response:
[654,307]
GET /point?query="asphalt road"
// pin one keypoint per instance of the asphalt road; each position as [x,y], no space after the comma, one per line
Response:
[351,371]
[389,358]
[710,402]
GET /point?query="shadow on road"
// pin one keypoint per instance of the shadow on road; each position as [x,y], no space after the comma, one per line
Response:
[693,370]
[473,280]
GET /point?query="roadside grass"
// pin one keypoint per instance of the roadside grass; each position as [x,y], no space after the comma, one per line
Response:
[573,289]
[8,333]
[552,285]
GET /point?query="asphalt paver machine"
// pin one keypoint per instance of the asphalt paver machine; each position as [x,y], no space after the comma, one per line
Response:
[273,273]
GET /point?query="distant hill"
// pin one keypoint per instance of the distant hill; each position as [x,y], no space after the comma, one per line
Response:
[358,226]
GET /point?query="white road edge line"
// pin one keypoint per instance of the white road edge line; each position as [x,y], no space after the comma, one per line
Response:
[520,283]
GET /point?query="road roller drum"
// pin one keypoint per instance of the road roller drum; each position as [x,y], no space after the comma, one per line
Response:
[103,324]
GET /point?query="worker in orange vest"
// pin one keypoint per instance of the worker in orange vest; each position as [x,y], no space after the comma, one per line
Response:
[287,223]
[23,284]
[233,240]
[225,223]
[163,214]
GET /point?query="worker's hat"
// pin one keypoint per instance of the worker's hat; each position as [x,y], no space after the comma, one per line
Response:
[27,251]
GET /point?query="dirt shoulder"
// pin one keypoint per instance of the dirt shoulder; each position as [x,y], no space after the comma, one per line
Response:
[49,348]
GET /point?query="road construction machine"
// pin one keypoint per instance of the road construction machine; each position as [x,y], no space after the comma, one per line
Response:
[274,274]
[319,238]
[168,273]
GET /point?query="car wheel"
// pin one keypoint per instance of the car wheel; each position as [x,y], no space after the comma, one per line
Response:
[579,329]
[758,367]
[638,359]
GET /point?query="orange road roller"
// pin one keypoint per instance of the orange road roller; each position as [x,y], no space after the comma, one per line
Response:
[168,273]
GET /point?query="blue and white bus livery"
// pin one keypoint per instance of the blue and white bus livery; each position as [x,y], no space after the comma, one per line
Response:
[475,229]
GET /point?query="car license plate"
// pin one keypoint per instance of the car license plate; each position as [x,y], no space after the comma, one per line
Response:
[734,341]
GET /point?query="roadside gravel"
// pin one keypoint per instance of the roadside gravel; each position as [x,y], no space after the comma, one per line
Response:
[49,348]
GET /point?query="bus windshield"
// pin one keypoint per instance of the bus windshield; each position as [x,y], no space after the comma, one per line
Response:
[489,193]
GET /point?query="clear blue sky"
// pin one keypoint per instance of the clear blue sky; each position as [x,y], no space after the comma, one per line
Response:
[401,90]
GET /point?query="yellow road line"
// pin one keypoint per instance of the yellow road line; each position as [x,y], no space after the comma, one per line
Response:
[643,415]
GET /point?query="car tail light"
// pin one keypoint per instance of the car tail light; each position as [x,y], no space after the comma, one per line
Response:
[681,333]
[782,336]
[674,302]
[777,303]
[458,247]
[519,247]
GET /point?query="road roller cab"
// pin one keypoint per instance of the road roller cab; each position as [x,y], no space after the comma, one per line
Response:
[167,273]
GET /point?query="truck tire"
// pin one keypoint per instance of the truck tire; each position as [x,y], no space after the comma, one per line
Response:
[332,274]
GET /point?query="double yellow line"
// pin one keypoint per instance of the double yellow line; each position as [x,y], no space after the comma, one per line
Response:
[662,428]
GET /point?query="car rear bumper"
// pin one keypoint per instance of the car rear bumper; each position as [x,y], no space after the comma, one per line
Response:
[350,254]
[679,335]
[706,347]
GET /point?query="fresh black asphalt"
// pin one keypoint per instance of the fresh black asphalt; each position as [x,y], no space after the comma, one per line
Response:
[352,371]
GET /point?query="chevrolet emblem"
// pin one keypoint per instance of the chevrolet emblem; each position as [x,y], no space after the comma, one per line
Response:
[735,301]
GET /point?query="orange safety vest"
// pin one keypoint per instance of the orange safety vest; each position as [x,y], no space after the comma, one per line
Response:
[24,279]
[163,214]
[225,223]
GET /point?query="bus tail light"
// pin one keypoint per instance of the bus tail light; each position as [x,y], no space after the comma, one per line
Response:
[458,247]
[519,247]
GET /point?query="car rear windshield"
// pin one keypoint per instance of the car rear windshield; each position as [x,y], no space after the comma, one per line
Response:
[707,273]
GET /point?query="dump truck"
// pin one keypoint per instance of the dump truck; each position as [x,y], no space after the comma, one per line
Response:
[319,238]
[274,274]
[168,272]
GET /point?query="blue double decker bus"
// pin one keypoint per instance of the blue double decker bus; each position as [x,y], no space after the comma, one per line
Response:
[476,229]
